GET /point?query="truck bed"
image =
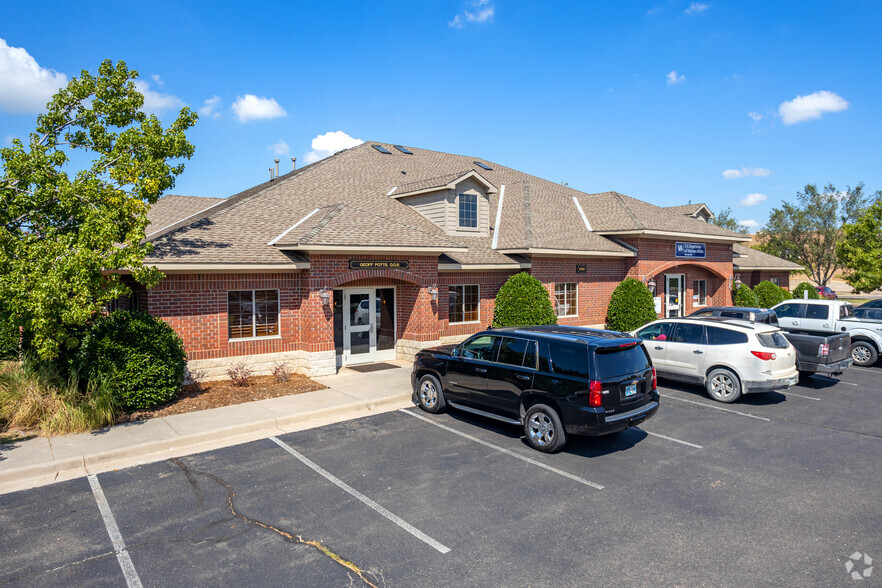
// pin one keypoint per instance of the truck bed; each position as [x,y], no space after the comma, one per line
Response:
[808,345]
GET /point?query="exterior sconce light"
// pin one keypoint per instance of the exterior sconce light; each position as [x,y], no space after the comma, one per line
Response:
[738,281]
[325,295]
[651,285]
[433,292]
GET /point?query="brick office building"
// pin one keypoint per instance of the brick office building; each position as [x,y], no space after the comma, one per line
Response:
[380,250]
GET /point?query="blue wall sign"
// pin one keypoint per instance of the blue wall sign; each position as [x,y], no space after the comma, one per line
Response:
[689,249]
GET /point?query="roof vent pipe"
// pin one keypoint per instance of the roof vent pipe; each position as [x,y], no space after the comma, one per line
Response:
[271,174]
[277,166]
[293,164]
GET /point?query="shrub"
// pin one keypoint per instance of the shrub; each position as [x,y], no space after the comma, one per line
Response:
[141,356]
[630,307]
[281,373]
[33,395]
[744,296]
[769,294]
[240,375]
[805,287]
[523,300]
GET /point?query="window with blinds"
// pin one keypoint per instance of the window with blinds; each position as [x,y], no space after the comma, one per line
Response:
[253,313]
[463,303]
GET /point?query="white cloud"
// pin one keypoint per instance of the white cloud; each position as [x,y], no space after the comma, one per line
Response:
[156,102]
[755,116]
[279,148]
[746,172]
[329,144]
[7,140]
[211,107]
[811,107]
[249,107]
[753,199]
[25,86]
[158,79]
[675,78]
[483,11]
[749,223]
[696,7]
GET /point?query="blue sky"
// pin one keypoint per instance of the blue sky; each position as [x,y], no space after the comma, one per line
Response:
[656,100]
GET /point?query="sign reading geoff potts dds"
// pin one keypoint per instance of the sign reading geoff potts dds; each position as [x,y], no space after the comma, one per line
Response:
[689,249]
[353,264]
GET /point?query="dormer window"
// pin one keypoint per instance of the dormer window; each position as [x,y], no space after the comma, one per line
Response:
[468,211]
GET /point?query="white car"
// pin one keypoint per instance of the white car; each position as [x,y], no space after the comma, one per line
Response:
[728,357]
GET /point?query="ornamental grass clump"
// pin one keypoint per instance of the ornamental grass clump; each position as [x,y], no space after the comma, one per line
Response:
[523,300]
[630,307]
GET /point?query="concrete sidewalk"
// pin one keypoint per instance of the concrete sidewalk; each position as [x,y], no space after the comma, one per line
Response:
[350,394]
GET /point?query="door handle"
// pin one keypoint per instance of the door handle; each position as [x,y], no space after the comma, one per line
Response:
[795,322]
[659,347]
[520,377]
[481,370]
[698,352]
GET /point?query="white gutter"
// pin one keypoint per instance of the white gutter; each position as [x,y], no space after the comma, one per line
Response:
[582,212]
[498,216]
[294,226]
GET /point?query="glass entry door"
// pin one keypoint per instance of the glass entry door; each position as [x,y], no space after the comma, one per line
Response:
[674,295]
[368,325]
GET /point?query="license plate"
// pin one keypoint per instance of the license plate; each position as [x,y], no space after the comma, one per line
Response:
[630,390]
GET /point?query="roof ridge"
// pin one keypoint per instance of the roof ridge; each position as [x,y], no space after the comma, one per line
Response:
[323,222]
[630,212]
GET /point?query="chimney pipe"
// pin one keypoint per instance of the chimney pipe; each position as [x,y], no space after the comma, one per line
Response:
[271,174]
[277,166]
[293,164]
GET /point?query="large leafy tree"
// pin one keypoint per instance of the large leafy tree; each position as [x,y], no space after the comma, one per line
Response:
[861,249]
[73,204]
[725,219]
[806,232]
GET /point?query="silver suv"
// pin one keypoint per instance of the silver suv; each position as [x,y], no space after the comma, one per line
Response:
[728,357]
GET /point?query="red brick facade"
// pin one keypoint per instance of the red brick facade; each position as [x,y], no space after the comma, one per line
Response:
[195,305]
[755,277]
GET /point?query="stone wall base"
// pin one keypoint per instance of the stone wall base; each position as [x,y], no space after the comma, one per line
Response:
[406,349]
[312,364]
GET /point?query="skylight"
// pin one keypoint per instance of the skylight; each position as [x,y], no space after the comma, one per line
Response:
[404,150]
[382,149]
[483,165]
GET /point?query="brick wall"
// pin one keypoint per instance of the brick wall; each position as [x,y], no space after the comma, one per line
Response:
[488,286]
[755,277]
[593,287]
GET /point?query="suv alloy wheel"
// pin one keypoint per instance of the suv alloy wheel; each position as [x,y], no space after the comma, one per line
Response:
[723,385]
[543,428]
[430,395]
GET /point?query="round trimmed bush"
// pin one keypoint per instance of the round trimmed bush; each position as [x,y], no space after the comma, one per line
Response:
[744,296]
[769,294]
[805,287]
[630,307]
[523,300]
[141,356]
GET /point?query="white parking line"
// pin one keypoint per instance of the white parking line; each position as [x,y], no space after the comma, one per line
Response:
[340,483]
[863,369]
[505,451]
[672,439]
[119,546]
[789,393]
[753,416]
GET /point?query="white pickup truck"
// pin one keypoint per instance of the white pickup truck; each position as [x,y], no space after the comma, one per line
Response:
[834,316]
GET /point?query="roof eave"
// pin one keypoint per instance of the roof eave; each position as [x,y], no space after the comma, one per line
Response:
[567,252]
[767,268]
[674,235]
[229,267]
[370,249]
[477,267]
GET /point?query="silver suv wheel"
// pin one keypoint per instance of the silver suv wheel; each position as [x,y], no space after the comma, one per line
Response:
[723,385]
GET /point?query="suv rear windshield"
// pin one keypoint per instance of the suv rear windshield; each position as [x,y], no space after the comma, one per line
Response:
[773,340]
[615,362]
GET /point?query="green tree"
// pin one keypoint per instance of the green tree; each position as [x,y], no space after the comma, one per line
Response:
[746,297]
[769,294]
[725,219]
[803,287]
[523,300]
[65,232]
[630,307]
[861,250]
[806,232]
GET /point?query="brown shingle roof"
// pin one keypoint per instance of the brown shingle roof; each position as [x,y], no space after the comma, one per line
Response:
[172,208]
[688,209]
[753,259]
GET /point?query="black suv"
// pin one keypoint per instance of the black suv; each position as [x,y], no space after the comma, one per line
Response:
[553,380]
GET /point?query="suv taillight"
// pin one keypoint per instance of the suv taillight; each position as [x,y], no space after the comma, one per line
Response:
[823,350]
[654,379]
[595,398]
[765,355]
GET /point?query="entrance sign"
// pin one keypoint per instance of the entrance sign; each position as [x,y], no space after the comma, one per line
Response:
[353,264]
[581,268]
[689,249]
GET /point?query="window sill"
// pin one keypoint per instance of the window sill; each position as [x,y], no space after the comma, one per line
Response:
[269,338]
[478,322]
[699,305]
[567,316]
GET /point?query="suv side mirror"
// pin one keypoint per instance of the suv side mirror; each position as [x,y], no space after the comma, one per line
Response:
[455,351]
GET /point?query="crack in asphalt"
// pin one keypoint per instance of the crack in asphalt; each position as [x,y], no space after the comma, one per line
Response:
[363,575]
[34,573]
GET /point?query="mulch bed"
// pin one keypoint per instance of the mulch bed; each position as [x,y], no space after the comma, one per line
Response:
[206,395]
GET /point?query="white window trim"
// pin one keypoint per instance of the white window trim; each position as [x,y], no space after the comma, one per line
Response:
[576,305]
[477,198]
[254,316]
[698,304]
[449,322]
[776,281]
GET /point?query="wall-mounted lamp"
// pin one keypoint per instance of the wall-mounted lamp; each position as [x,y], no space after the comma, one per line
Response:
[433,292]
[738,281]
[651,285]
[325,295]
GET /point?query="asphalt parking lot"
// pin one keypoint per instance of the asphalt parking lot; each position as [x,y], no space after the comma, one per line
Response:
[777,489]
